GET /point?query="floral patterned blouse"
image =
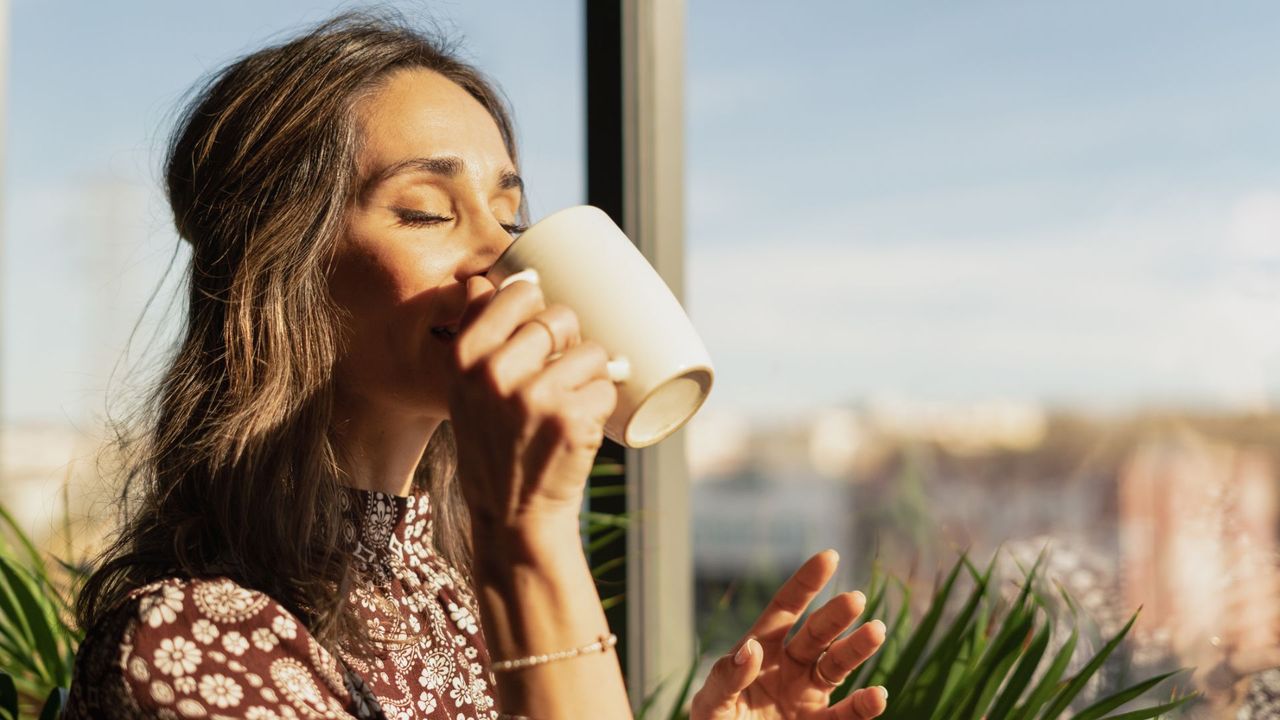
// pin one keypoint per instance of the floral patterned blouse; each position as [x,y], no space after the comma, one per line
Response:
[209,648]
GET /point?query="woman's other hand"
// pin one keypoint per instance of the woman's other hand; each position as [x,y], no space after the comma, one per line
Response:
[766,676]
[527,429]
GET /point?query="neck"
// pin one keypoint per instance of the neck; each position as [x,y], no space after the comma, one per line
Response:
[379,448]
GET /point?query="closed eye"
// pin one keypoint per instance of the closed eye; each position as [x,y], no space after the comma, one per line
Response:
[417,218]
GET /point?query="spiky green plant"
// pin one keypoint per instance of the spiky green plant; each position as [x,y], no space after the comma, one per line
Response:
[986,660]
[38,640]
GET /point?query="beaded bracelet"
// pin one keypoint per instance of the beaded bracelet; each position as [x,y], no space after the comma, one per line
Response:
[601,645]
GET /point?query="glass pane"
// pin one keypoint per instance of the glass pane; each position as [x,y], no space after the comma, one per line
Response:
[994,276]
[87,234]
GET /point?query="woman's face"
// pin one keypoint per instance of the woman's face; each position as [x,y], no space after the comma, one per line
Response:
[437,203]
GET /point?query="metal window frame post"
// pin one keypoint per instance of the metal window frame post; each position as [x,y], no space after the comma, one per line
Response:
[635,158]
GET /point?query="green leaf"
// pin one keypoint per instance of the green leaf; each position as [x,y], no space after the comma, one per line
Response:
[887,658]
[605,539]
[606,469]
[620,520]
[607,565]
[874,602]
[53,704]
[939,673]
[34,557]
[1024,672]
[15,642]
[682,697]
[1066,597]
[906,663]
[8,697]
[1111,702]
[25,659]
[1151,712]
[993,684]
[1049,683]
[37,619]
[995,664]
[1030,579]
[647,703]
[13,625]
[1077,683]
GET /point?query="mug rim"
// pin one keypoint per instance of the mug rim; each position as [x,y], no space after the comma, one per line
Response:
[682,372]
[570,210]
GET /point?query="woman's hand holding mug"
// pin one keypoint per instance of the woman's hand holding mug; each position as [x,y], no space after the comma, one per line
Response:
[527,424]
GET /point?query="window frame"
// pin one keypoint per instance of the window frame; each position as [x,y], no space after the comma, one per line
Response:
[634,58]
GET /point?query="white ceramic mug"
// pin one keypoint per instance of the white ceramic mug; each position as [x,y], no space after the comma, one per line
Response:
[582,259]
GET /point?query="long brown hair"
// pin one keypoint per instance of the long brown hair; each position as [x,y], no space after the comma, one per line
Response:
[228,465]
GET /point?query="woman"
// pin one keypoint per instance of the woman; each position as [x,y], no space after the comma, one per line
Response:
[297,545]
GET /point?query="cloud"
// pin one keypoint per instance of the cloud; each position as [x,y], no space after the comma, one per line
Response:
[1146,306]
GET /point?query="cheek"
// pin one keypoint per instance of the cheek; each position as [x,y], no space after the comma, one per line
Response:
[389,293]
[365,283]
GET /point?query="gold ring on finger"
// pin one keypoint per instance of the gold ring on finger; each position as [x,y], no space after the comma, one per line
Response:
[817,672]
[550,332]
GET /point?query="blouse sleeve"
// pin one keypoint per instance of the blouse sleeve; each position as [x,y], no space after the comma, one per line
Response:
[207,648]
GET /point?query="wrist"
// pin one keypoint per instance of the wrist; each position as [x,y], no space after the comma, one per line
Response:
[538,541]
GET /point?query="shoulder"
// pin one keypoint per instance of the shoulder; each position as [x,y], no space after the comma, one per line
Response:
[204,647]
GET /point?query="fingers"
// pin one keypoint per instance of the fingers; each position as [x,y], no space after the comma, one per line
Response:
[862,704]
[794,596]
[577,366]
[480,292]
[598,399]
[513,362]
[593,400]
[583,370]
[574,393]
[824,626]
[557,326]
[729,676]
[847,653]
[493,316]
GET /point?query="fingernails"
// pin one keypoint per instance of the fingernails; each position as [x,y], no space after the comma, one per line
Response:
[878,625]
[884,692]
[744,652]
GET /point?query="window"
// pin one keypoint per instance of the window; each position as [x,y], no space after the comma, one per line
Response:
[985,277]
[92,96]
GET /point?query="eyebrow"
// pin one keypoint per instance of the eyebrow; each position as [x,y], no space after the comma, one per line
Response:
[446,166]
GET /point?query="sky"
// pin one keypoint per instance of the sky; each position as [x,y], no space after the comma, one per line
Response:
[1067,203]
[93,90]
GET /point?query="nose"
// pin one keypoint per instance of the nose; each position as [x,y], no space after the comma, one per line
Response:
[490,242]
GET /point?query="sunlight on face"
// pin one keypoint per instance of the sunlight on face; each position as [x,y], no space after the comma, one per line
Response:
[438,200]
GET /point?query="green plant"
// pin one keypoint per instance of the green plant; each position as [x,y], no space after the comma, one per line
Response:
[601,530]
[38,640]
[985,660]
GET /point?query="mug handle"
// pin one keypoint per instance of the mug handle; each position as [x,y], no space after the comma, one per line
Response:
[619,368]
